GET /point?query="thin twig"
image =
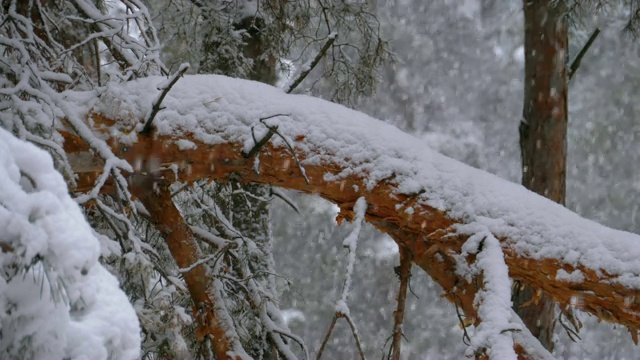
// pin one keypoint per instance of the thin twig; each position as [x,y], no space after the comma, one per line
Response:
[578,59]
[285,198]
[327,335]
[173,194]
[465,335]
[158,102]
[572,333]
[295,157]
[295,338]
[96,53]
[355,335]
[260,143]
[307,69]
[404,273]
[273,130]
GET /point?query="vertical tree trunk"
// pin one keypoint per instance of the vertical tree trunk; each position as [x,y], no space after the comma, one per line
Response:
[543,134]
[247,205]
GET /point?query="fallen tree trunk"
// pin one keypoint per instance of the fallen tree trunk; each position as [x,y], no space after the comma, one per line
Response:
[428,232]
[433,226]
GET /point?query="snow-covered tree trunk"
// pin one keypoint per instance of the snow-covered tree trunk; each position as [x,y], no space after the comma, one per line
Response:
[428,203]
[543,135]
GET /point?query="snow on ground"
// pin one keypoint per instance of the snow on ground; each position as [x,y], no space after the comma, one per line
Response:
[219,109]
[56,300]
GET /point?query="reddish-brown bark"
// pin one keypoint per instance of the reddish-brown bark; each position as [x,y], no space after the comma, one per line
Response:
[543,135]
[427,232]
[154,194]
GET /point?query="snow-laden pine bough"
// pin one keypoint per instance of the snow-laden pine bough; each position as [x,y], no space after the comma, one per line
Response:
[58,301]
[461,225]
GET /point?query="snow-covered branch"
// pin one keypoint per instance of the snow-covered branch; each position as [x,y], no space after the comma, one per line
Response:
[60,301]
[493,299]
[416,195]
[342,305]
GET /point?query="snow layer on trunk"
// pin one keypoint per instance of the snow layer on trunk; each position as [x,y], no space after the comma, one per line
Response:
[217,109]
[56,300]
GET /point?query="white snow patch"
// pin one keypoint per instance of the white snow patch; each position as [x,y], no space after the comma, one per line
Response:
[493,300]
[184,144]
[575,276]
[351,243]
[536,227]
[56,300]
[290,315]
[518,55]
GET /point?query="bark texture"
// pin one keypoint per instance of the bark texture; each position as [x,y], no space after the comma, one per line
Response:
[403,271]
[543,136]
[427,233]
[209,310]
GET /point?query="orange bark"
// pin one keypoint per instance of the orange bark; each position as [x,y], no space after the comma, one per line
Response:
[427,232]
[208,308]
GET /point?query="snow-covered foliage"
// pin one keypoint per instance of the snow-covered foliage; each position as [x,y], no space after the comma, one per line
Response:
[56,300]
[220,37]
[48,47]
[351,244]
[51,50]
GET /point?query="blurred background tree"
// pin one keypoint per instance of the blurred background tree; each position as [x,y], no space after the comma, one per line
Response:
[457,83]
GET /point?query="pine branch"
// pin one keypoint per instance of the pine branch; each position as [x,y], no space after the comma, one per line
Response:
[327,336]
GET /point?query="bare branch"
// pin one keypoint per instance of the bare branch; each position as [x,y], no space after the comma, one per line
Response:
[404,273]
[354,331]
[157,104]
[277,193]
[306,69]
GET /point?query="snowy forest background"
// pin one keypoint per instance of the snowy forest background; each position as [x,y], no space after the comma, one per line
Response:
[455,82]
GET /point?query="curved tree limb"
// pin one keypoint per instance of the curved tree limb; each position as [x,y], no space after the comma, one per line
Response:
[209,310]
[429,234]
[433,232]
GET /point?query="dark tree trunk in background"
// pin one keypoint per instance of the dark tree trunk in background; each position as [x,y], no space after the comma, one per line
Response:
[543,134]
[249,202]
[247,205]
